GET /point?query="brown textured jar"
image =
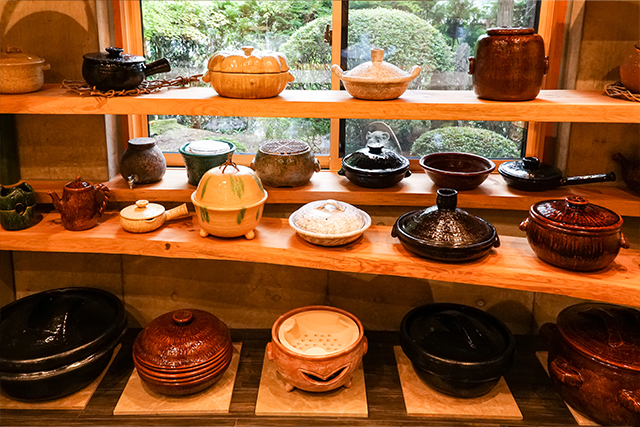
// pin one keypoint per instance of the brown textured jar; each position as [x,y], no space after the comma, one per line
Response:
[142,162]
[509,64]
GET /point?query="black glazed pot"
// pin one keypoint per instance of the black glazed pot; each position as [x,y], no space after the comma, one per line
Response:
[114,70]
[375,167]
[529,174]
[444,232]
[56,342]
[456,349]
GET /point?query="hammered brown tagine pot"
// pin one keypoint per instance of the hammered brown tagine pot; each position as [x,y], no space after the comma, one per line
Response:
[80,205]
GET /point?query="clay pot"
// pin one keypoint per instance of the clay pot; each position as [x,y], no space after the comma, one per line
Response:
[630,171]
[80,206]
[509,64]
[460,171]
[142,162]
[630,70]
[375,167]
[182,352]
[285,163]
[574,234]
[594,361]
[17,206]
[20,72]
[317,348]
[144,217]
[248,74]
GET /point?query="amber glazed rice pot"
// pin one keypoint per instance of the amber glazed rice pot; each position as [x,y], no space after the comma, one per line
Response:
[56,342]
[317,348]
[509,64]
[574,234]
[594,361]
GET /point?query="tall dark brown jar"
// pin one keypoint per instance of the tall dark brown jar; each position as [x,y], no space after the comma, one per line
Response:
[509,64]
[142,162]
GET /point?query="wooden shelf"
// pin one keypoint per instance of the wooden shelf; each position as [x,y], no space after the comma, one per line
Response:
[417,190]
[513,265]
[549,106]
[530,386]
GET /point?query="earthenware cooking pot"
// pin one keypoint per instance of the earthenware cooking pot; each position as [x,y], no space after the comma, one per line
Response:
[144,216]
[509,64]
[248,73]
[57,342]
[594,361]
[445,232]
[182,352]
[460,171]
[142,162]
[377,79]
[317,348]
[375,167]
[456,349]
[529,174]
[574,234]
[285,163]
[115,70]
[17,206]
[80,206]
[630,70]
[21,72]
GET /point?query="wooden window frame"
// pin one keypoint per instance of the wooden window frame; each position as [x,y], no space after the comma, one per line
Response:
[128,31]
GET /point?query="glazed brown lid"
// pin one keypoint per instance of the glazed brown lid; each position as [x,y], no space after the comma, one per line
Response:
[577,214]
[606,332]
[181,339]
[284,147]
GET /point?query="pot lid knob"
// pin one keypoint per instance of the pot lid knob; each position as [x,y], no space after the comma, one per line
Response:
[142,204]
[531,163]
[115,52]
[447,199]
[375,148]
[377,55]
[182,317]
[576,202]
[247,50]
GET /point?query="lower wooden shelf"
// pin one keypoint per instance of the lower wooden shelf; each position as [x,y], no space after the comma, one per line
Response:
[530,386]
[513,265]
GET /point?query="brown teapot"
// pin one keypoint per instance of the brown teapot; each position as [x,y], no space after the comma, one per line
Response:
[80,206]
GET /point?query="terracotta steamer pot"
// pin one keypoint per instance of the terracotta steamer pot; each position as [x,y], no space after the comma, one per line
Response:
[317,348]
[574,234]
[20,72]
[509,64]
[630,70]
[594,361]
[80,206]
[285,163]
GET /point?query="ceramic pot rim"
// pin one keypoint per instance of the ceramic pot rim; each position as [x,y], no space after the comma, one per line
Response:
[182,150]
[490,167]
[365,217]
[376,172]
[278,323]
[222,209]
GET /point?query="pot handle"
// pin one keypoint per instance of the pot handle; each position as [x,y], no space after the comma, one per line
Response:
[561,369]
[472,65]
[207,77]
[157,67]
[106,193]
[46,67]
[365,345]
[394,230]
[547,331]
[546,65]
[252,165]
[630,400]
[177,212]
[335,69]
[415,71]
[524,224]
[341,172]
[588,179]
[270,351]
[407,174]
[316,165]
[496,243]
[624,242]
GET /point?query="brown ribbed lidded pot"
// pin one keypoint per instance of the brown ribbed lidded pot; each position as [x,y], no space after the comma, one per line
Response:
[183,352]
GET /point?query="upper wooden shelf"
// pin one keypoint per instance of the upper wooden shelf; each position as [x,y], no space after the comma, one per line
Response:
[513,265]
[549,106]
[417,190]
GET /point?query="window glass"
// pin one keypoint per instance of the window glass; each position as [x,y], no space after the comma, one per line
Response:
[439,36]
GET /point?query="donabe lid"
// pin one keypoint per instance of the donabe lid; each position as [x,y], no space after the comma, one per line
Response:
[377,70]
[15,56]
[577,214]
[55,328]
[142,210]
[284,147]
[530,169]
[329,217]
[114,55]
[248,61]
[606,332]
[181,339]
[375,158]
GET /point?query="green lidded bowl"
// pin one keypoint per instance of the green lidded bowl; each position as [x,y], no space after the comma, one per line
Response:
[200,156]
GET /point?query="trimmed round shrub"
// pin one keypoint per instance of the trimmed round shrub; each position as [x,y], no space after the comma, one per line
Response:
[465,140]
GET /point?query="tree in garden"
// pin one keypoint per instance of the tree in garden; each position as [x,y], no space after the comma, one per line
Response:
[465,140]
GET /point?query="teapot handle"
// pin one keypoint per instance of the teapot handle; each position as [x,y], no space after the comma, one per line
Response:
[106,193]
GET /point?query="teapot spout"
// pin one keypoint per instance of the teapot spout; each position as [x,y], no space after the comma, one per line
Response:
[56,200]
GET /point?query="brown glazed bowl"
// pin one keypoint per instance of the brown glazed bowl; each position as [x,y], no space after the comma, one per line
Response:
[317,348]
[594,361]
[182,352]
[460,171]
[509,64]
[574,234]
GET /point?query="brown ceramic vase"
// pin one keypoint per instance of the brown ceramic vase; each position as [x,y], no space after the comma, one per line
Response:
[81,205]
[182,352]
[509,64]
[574,234]
[630,70]
[594,361]
[317,372]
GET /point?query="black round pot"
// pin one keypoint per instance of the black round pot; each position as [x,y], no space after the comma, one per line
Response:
[529,174]
[115,70]
[455,349]
[444,232]
[58,341]
[375,167]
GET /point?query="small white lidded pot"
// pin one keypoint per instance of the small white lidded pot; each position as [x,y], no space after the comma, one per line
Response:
[144,217]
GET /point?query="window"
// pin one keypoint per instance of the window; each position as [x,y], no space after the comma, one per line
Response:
[190,31]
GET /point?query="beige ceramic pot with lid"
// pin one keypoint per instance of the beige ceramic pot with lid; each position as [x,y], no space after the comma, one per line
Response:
[144,216]
[248,73]
[377,79]
[21,72]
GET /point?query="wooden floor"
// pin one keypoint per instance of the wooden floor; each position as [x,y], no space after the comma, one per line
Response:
[539,403]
